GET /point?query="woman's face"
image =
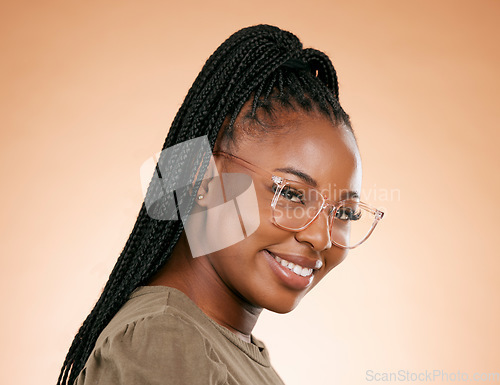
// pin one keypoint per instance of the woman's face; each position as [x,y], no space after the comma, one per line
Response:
[306,145]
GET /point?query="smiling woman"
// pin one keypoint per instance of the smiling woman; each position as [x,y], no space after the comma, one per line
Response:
[185,295]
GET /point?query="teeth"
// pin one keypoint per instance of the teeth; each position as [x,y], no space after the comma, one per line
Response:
[297,269]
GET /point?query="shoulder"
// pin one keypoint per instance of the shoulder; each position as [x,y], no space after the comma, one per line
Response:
[159,308]
[149,340]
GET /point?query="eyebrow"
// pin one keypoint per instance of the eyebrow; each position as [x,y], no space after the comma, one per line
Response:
[310,180]
[302,175]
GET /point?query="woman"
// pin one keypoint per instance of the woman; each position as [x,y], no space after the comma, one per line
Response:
[262,167]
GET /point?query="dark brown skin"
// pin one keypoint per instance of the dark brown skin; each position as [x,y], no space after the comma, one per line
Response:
[233,285]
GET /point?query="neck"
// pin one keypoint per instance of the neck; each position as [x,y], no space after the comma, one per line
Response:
[197,278]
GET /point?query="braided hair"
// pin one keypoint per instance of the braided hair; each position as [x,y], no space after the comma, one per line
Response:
[263,62]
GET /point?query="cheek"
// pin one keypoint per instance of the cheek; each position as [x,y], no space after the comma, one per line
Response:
[243,257]
[238,227]
[225,225]
[215,229]
[243,268]
[241,215]
[265,236]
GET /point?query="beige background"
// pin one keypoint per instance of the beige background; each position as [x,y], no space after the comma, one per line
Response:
[88,90]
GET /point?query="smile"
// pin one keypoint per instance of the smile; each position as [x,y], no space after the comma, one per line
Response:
[291,274]
[299,270]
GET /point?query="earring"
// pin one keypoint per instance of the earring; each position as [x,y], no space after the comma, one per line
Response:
[200,197]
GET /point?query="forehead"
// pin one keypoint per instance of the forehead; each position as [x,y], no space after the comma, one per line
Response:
[308,142]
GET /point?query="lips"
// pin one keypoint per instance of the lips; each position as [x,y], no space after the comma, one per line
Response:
[296,272]
[300,260]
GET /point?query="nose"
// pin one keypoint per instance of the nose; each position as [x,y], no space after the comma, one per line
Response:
[317,234]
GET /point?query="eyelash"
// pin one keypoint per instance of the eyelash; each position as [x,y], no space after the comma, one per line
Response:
[350,214]
[288,189]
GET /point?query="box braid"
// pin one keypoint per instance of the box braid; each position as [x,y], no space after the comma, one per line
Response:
[262,61]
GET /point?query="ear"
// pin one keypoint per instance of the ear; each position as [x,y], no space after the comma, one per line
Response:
[208,188]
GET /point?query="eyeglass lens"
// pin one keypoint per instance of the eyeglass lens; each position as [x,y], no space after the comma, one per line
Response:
[297,205]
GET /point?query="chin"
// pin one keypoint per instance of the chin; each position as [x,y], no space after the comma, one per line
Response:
[280,309]
[282,304]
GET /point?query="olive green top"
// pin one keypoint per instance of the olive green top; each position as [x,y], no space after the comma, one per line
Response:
[160,336]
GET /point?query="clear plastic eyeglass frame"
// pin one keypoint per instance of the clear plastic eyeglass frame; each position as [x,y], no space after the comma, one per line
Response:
[326,204]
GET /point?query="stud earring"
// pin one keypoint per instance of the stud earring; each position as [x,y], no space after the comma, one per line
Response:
[200,197]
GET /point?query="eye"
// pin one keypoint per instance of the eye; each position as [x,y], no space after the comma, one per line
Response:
[348,214]
[291,194]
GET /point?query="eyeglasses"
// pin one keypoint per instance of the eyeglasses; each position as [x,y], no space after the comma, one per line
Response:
[295,205]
